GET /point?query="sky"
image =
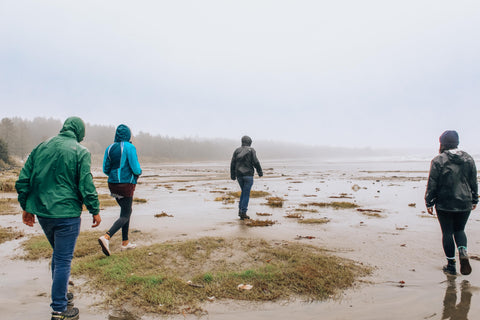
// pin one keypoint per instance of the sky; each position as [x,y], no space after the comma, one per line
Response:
[344,73]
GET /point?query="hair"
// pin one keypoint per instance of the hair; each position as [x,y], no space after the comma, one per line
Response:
[446,147]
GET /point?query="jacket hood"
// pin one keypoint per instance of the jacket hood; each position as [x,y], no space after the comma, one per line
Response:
[246,141]
[457,156]
[123,133]
[76,126]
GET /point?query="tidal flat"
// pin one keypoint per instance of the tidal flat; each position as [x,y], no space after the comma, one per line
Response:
[368,219]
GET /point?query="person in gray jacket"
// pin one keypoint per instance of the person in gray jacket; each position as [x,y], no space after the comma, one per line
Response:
[453,189]
[242,168]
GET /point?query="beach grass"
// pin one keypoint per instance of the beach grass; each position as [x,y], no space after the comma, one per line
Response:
[7,234]
[253,194]
[259,223]
[177,277]
[334,204]
[294,216]
[275,202]
[314,221]
[9,206]
[162,214]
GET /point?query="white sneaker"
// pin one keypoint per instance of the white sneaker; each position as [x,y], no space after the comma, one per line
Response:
[104,243]
[129,246]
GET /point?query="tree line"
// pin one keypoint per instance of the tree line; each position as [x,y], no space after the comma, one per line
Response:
[19,136]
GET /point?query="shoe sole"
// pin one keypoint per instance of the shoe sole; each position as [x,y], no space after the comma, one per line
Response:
[104,247]
[465,267]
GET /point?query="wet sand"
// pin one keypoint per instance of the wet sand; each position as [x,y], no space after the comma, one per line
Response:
[403,246]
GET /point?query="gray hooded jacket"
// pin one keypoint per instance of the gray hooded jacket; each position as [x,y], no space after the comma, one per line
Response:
[244,160]
[452,182]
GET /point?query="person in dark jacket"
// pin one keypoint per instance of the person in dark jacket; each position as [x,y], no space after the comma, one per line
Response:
[53,185]
[121,165]
[453,189]
[242,168]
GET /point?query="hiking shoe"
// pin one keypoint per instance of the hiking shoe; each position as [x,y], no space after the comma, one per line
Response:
[450,268]
[104,243]
[71,314]
[465,267]
[244,217]
[129,246]
[69,299]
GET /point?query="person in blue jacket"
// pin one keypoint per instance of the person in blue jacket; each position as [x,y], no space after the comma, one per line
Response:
[121,165]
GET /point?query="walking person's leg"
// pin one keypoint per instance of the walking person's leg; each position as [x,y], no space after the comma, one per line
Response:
[459,221]
[125,204]
[126,212]
[446,224]
[245,196]
[62,235]
[241,183]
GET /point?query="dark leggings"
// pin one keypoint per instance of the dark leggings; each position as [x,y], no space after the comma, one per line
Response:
[453,226]
[124,220]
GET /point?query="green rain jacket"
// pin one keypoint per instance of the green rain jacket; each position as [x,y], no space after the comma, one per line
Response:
[56,179]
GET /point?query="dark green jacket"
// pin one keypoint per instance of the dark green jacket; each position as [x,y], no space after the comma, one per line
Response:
[452,182]
[56,179]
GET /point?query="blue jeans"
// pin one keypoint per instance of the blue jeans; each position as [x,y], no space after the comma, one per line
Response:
[62,233]
[246,183]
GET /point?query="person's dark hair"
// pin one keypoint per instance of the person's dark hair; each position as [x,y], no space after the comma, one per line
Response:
[448,140]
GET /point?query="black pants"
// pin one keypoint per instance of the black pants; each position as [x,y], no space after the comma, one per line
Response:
[124,220]
[453,230]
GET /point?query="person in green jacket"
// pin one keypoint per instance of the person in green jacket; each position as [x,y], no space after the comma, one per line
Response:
[53,185]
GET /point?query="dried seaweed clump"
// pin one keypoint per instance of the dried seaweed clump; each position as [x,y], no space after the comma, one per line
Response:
[314,221]
[275,202]
[259,223]
[335,205]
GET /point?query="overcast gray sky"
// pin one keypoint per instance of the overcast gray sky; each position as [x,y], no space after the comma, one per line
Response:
[337,73]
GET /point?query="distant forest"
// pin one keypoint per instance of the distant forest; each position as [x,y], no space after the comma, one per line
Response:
[21,136]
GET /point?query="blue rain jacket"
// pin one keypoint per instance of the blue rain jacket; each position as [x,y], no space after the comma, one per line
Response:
[120,162]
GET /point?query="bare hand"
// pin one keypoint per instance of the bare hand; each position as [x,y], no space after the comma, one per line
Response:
[474,206]
[28,218]
[430,210]
[96,220]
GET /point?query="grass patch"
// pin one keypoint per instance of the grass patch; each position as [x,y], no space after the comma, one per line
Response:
[263,214]
[7,186]
[176,277]
[314,221]
[7,234]
[275,202]
[303,210]
[375,213]
[139,200]
[259,223]
[294,215]
[342,196]
[9,206]
[37,247]
[100,182]
[335,205]
[226,199]
[253,194]
[162,214]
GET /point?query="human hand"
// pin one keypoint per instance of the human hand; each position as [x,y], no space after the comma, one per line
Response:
[474,207]
[96,220]
[28,218]
[430,210]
